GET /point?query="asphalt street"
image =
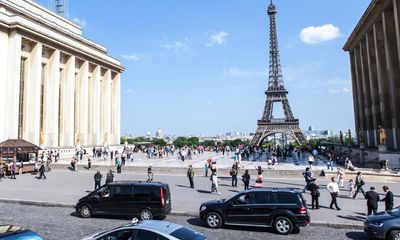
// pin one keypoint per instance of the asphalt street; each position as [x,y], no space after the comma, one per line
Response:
[62,223]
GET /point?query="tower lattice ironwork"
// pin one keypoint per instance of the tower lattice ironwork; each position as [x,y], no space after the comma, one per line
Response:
[276,92]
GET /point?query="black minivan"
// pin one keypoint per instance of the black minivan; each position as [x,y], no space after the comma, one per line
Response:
[127,198]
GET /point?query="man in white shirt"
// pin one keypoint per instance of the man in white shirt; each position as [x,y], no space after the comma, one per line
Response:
[333,189]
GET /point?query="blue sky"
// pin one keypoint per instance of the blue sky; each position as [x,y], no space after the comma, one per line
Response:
[200,67]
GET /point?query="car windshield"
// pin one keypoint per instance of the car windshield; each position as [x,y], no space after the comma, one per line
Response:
[395,212]
[187,234]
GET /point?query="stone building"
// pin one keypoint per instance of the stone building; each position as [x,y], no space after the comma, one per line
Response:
[57,88]
[374,48]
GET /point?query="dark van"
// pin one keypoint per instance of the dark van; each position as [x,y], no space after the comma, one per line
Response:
[127,198]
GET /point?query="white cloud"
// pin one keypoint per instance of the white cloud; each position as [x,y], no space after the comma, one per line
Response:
[244,73]
[339,90]
[315,35]
[81,22]
[177,47]
[217,38]
[132,57]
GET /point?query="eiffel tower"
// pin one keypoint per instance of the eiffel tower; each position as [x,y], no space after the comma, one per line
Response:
[276,92]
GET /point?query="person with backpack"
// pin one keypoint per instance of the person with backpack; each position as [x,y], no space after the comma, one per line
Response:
[109,177]
[97,180]
[308,176]
[359,185]
[234,173]
[190,175]
[313,187]
[41,171]
[246,179]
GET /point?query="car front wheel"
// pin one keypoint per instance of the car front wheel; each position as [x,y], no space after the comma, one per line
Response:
[283,225]
[146,214]
[85,211]
[394,235]
[213,220]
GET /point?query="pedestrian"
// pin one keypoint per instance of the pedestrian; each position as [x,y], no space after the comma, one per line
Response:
[340,174]
[388,199]
[73,162]
[97,180]
[119,165]
[259,178]
[214,179]
[41,171]
[12,170]
[372,201]
[234,173]
[89,163]
[206,170]
[311,160]
[246,179]
[351,187]
[109,177]
[190,174]
[21,167]
[150,173]
[313,187]
[333,189]
[359,185]
[329,163]
[308,176]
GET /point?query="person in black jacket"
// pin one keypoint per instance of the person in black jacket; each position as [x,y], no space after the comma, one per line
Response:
[388,199]
[313,187]
[41,171]
[97,180]
[372,201]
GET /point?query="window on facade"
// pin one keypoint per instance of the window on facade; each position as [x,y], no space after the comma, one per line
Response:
[21,99]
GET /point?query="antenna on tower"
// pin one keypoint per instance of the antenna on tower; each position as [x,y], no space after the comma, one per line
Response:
[60,7]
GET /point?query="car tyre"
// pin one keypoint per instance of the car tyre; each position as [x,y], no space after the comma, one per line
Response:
[283,225]
[146,214]
[213,220]
[394,235]
[85,211]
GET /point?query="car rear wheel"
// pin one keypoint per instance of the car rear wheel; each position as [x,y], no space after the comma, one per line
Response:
[146,214]
[283,225]
[85,211]
[394,235]
[213,220]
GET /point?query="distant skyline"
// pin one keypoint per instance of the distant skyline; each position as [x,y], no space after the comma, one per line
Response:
[201,67]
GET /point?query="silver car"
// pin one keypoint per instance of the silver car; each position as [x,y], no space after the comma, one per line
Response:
[148,230]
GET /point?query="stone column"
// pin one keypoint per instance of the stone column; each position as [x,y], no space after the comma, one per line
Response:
[12,86]
[360,93]
[51,101]
[96,106]
[69,107]
[382,78]
[107,108]
[354,88]
[373,82]
[3,81]
[83,103]
[33,82]
[393,71]
[116,114]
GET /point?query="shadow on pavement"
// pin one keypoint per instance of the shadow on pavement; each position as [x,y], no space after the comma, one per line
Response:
[204,191]
[183,186]
[356,235]
[354,218]
[235,191]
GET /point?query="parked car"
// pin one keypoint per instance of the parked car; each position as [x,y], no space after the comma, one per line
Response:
[283,209]
[9,232]
[127,198]
[384,225]
[146,230]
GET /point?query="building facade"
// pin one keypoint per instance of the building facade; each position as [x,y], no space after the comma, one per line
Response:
[374,48]
[57,89]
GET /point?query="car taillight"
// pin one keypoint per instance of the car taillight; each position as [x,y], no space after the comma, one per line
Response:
[303,210]
[162,197]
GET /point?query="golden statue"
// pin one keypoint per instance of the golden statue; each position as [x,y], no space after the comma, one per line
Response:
[360,136]
[41,139]
[382,135]
[340,137]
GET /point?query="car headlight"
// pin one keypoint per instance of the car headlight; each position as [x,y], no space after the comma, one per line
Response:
[376,224]
[202,208]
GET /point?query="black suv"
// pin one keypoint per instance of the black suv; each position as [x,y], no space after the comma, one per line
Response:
[284,209]
[127,198]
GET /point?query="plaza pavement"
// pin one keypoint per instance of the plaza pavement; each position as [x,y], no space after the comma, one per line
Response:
[65,187]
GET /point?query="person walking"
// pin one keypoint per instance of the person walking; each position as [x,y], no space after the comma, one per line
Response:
[308,176]
[190,174]
[359,185]
[214,179]
[259,178]
[89,163]
[388,199]
[97,180]
[109,177]
[351,187]
[12,170]
[206,170]
[333,189]
[246,179]
[234,173]
[41,171]
[372,201]
[150,173]
[119,165]
[313,187]
[340,174]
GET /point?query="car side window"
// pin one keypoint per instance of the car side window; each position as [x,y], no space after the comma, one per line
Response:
[243,199]
[126,234]
[122,191]
[286,198]
[146,235]
[262,198]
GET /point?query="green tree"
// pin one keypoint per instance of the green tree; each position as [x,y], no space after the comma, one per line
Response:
[208,143]
[159,142]
[193,141]
[181,142]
